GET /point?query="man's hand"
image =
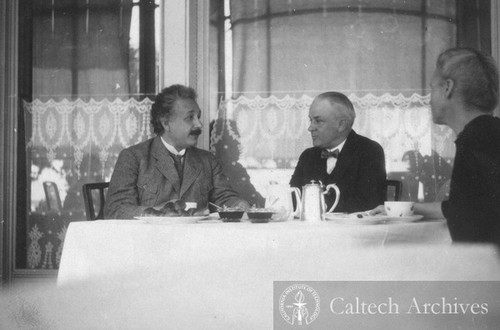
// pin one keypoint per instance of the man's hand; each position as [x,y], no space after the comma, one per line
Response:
[378,210]
[242,204]
[152,212]
[174,205]
[198,212]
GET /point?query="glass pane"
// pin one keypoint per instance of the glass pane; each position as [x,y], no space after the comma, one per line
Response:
[273,57]
[89,70]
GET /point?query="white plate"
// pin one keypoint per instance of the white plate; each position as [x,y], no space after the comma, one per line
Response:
[172,220]
[361,218]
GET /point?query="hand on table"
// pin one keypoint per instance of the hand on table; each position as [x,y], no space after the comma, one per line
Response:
[174,208]
[379,210]
[242,204]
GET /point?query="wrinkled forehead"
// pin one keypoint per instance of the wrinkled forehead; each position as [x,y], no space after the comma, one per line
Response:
[186,106]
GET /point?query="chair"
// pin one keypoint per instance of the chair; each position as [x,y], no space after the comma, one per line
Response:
[52,196]
[94,203]
[393,189]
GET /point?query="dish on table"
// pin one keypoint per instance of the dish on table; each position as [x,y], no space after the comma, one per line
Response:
[361,218]
[257,215]
[231,214]
[163,220]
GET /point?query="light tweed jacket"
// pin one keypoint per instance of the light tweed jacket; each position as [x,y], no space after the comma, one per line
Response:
[145,176]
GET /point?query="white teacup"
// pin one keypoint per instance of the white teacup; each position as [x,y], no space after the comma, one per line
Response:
[399,209]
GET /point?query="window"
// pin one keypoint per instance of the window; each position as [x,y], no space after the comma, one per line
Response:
[88,70]
[271,58]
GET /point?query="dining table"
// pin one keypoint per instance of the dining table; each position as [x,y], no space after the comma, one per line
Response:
[210,274]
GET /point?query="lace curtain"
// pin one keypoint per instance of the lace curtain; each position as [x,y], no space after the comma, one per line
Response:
[77,142]
[258,140]
[266,136]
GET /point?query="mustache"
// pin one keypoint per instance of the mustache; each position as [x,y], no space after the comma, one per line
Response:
[195,131]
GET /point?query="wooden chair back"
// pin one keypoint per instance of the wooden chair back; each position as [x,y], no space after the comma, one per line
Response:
[52,196]
[94,197]
[393,190]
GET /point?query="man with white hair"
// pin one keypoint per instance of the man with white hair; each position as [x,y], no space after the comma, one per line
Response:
[464,94]
[339,155]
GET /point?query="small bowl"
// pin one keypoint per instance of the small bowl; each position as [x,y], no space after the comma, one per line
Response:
[260,215]
[231,215]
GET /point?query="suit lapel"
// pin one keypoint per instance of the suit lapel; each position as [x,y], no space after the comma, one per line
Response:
[192,169]
[165,164]
[346,156]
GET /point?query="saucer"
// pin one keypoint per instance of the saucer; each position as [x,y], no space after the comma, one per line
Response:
[355,219]
[361,218]
[409,218]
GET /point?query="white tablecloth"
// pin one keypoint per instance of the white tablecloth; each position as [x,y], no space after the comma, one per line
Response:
[94,249]
[220,275]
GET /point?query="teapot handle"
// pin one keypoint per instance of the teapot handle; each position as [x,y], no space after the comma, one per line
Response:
[337,195]
[298,199]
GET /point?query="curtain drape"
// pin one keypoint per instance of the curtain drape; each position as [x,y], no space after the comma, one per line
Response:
[380,53]
[80,49]
[378,46]
[80,115]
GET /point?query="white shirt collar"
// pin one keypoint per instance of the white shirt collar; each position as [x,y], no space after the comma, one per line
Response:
[339,147]
[172,149]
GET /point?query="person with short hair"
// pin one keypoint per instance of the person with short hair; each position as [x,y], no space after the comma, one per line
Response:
[464,94]
[169,167]
[339,155]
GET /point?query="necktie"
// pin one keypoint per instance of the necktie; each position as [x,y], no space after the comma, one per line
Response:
[178,164]
[331,159]
[327,154]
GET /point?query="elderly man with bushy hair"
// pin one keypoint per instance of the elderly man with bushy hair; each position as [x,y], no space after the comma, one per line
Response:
[168,170]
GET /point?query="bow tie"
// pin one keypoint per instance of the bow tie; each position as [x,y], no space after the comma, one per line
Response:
[327,154]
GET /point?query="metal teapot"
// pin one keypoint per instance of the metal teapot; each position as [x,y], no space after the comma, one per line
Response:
[313,201]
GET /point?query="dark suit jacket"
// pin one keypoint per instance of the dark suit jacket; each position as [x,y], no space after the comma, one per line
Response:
[145,176]
[473,209]
[359,173]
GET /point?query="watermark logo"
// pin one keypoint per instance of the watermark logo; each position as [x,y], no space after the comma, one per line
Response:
[299,304]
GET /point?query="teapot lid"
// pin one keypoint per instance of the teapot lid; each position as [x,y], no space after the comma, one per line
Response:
[314,183]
